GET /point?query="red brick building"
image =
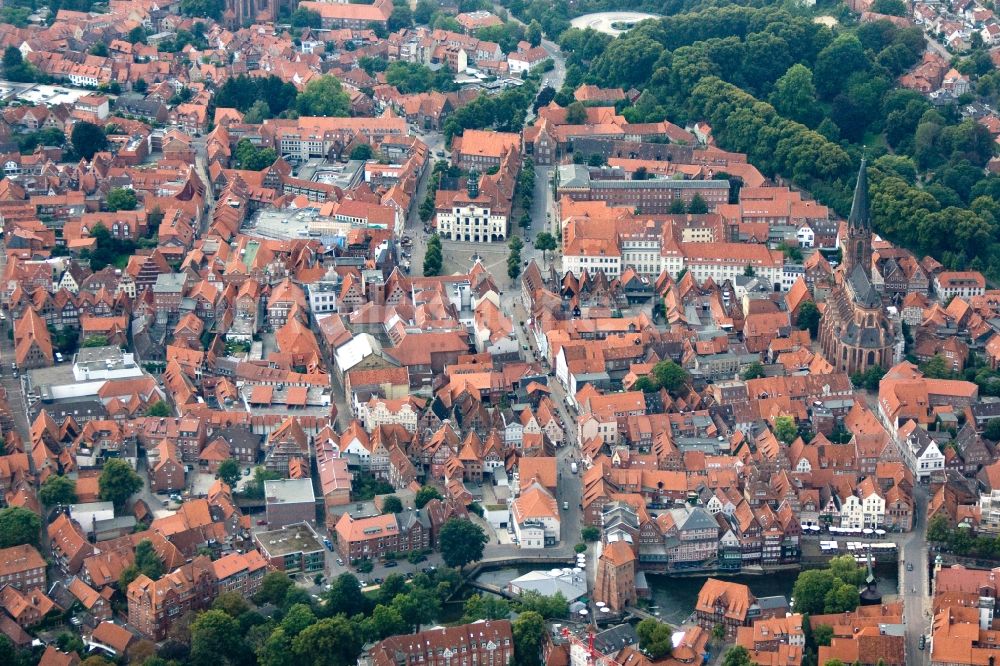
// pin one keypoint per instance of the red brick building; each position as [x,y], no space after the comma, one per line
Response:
[376,536]
[22,567]
[154,605]
[616,576]
[487,643]
[167,472]
[240,572]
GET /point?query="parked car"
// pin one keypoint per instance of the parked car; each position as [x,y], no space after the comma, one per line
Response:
[340,562]
[391,563]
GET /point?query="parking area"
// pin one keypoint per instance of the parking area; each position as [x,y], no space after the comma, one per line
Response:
[611,23]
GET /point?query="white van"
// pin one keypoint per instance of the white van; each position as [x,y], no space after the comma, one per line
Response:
[573,467]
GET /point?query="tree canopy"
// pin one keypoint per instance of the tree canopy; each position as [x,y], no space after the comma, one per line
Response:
[808,318]
[462,542]
[14,66]
[655,638]
[273,588]
[121,198]
[253,158]
[737,656]
[118,482]
[830,590]
[425,495]
[753,371]
[88,139]
[58,490]
[229,472]
[529,632]
[203,8]
[306,18]
[392,504]
[362,152]
[665,374]
[244,92]
[19,526]
[159,408]
[485,607]
[323,96]
[147,560]
[433,258]
[215,638]
[410,77]
[785,429]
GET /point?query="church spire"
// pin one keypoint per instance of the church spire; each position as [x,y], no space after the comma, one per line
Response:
[858,244]
[860,216]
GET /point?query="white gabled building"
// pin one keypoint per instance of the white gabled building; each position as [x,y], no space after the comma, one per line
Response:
[534,515]
[355,442]
[650,248]
[872,504]
[480,213]
[920,450]
[381,411]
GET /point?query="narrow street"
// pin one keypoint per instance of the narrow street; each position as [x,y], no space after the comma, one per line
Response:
[12,384]
[914,586]
[202,171]
[569,487]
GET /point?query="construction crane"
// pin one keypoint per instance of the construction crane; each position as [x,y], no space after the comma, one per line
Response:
[581,653]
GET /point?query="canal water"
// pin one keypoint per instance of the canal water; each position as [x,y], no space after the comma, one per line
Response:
[675,597]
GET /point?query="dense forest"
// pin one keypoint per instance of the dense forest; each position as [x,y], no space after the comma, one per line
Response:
[804,101]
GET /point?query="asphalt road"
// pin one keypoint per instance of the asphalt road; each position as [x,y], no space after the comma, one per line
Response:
[914,586]
[201,168]
[15,391]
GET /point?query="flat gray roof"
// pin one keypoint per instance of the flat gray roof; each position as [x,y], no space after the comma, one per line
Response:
[289,490]
[99,354]
[299,538]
